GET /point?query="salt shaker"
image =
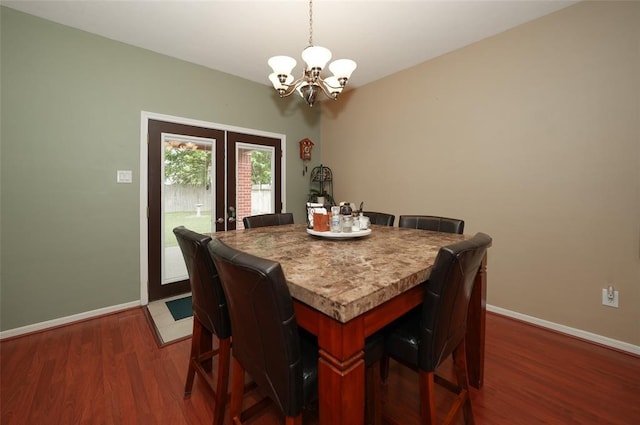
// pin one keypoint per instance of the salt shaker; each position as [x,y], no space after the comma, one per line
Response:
[356,223]
[347,224]
[336,224]
[347,219]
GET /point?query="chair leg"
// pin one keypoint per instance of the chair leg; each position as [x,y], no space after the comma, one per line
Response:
[293,420]
[460,366]
[206,345]
[224,357]
[193,356]
[237,392]
[384,368]
[373,398]
[427,399]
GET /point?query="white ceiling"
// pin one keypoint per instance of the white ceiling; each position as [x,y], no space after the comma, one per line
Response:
[238,37]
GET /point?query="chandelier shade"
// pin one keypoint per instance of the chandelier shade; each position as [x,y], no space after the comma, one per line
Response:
[273,77]
[333,85]
[342,68]
[282,65]
[316,57]
[311,83]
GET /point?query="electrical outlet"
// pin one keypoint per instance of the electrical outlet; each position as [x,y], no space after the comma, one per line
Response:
[606,300]
[124,176]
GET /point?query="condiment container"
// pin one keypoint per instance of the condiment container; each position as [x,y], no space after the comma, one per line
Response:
[335,222]
[347,224]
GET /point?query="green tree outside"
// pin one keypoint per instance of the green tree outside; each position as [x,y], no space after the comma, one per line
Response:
[260,167]
[185,166]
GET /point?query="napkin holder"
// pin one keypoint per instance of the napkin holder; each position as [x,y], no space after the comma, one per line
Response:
[312,209]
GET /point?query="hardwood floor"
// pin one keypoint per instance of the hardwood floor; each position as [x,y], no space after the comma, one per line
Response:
[110,371]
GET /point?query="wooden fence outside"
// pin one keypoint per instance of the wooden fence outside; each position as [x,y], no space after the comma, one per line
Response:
[185,198]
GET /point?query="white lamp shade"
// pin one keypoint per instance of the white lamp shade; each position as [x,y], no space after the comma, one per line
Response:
[282,65]
[333,85]
[342,68]
[316,56]
[273,77]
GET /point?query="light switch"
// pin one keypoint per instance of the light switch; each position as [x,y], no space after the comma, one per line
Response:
[124,176]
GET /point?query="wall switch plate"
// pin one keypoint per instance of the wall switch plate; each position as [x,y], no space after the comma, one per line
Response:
[124,176]
[613,302]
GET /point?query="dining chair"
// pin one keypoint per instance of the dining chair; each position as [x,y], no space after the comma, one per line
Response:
[210,318]
[426,336]
[381,219]
[267,343]
[262,220]
[432,222]
[424,222]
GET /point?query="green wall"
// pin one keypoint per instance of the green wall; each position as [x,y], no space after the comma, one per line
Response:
[70,117]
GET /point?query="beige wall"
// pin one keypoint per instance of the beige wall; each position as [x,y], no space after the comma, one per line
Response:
[532,136]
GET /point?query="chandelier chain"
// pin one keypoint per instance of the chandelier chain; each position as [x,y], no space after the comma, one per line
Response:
[310,22]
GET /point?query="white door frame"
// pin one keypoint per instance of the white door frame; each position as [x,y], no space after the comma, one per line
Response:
[144,146]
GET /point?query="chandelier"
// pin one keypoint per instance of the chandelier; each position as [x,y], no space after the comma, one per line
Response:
[310,84]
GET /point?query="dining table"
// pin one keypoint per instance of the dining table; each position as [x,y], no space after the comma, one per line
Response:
[344,289]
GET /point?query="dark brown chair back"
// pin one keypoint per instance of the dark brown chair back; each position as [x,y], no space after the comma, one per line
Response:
[262,220]
[266,341]
[208,300]
[431,222]
[381,219]
[443,321]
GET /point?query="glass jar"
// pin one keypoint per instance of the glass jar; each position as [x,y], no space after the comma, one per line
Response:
[356,223]
[347,223]
[364,222]
[336,223]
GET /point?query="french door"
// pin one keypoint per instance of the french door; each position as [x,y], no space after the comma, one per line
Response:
[206,180]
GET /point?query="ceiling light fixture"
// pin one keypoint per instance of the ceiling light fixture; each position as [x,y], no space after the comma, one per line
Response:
[311,83]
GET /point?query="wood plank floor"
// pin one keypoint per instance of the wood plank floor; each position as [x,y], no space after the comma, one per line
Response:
[109,370]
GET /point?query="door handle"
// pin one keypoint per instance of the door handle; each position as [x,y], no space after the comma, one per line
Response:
[232,214]
[220,220]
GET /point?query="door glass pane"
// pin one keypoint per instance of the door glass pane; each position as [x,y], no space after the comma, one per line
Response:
[255,165]
[187,196]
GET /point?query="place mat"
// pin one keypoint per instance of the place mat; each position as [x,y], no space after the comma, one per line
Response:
[180,308]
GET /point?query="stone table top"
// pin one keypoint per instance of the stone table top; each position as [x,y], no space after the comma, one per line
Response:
[344,278]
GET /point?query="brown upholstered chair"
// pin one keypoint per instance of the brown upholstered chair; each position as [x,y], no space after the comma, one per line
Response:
[431,222]
[429,334]
[210,317]
[424,222]
[267,343]
[381,219]
[262,220]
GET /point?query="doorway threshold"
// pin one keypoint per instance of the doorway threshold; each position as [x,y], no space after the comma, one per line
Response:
[166,329]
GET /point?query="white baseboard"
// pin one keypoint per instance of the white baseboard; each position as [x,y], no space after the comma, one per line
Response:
[66,320]
[599,339]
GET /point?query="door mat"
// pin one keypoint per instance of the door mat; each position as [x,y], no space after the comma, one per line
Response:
[180,308]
